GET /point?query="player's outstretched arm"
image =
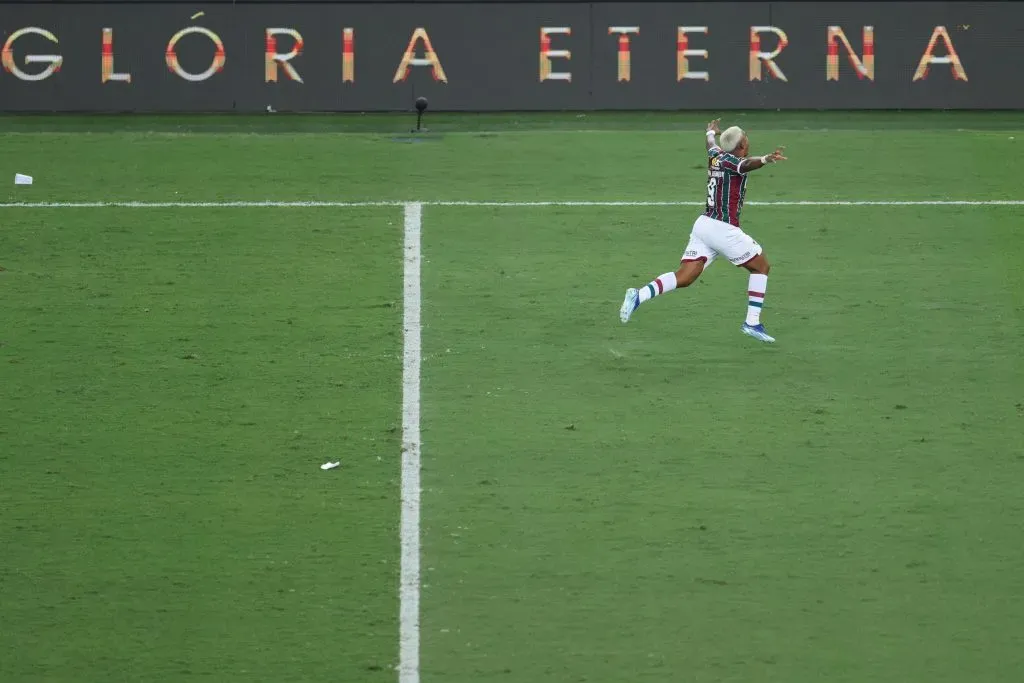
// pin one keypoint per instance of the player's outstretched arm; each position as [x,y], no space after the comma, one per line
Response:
[748,164]
[713,130]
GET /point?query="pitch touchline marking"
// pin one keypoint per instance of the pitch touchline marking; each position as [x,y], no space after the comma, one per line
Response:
[191,205]
[409,590]
[657,130]
[355,204]
[1008,202]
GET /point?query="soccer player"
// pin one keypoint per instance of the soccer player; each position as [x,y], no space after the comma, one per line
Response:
[717,231]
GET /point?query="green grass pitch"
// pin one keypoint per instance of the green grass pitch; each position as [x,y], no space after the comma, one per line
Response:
[662,501]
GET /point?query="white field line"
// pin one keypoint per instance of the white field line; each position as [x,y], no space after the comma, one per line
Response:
[937,202]
[228,204]
[409,590]
[511,129]
[355,204]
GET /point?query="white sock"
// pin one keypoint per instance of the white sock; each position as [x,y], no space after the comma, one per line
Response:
[662,285]
[756,288]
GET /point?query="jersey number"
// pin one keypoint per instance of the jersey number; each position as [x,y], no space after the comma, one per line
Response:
[712,184]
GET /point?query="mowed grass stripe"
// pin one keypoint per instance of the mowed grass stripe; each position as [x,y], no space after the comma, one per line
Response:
[171,385]
[610,502]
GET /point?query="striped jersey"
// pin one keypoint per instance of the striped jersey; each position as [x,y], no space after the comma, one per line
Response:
[726,187]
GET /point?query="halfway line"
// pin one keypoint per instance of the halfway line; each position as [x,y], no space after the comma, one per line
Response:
[342,204]
[837,202]
[409,583]
[188,205]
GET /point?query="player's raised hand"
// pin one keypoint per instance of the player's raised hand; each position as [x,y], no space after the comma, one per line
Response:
[777,155]
[713,127]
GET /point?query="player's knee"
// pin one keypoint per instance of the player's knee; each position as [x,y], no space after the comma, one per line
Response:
[758,265]
[687,275]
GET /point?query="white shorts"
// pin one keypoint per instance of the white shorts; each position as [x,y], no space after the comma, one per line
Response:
[709,238]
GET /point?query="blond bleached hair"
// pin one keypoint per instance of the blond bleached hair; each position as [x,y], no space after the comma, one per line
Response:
[731,138]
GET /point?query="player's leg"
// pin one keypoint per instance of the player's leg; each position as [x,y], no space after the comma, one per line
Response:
[686,275]
[696,258]
[757,286]
[742,250]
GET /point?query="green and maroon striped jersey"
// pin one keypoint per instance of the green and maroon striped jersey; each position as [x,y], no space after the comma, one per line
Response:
[726,187]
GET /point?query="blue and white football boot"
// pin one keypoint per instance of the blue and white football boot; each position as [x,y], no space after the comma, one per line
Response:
[629,304]
[757,332]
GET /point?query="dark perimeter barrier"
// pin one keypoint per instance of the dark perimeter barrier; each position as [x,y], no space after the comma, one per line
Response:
[492,56]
